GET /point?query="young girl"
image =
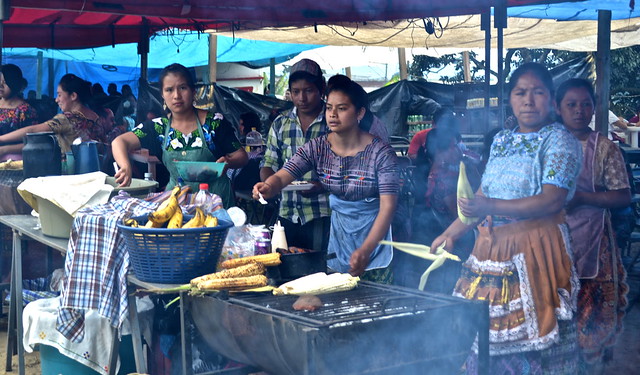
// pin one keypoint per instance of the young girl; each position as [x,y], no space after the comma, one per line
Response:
[602,185]
[360,172]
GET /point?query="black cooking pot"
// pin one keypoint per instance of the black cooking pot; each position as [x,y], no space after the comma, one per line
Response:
[300,264]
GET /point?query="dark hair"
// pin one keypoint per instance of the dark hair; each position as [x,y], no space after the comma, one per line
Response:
[317,81]
[444,118]
[251,120]
[538,70]
[439,140]
[179,70]
[14,79]
[126,90]
[356,94]
[71,83]
[574,83]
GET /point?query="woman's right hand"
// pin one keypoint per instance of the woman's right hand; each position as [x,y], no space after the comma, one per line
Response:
[262,188]
[440,240]
[123,176]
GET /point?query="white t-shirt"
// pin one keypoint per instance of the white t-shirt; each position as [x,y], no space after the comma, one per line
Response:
[612,120]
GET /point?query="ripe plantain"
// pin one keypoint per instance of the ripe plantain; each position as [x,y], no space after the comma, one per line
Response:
[176,219]
[131,223]
[166,209]
[211,221]
[197,220]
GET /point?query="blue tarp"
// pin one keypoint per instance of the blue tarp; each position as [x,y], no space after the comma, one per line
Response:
[576,11]
[120,64]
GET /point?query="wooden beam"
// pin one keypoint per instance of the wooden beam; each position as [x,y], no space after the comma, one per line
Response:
[603,71]
[402,60]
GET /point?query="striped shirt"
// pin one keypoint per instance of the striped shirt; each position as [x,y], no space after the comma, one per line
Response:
[368,174]
[285,137]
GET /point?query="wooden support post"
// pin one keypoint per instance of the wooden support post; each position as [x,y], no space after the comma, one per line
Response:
[402,60]
[603,71]
[213,58]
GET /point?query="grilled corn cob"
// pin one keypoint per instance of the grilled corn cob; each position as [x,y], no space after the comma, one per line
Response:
[271,259]
[465,191]
[318,283]
[237,283]
[250,269]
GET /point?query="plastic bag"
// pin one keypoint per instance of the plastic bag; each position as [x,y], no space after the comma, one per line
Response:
[239,243]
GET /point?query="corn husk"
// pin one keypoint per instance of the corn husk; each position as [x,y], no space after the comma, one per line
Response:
[465,191]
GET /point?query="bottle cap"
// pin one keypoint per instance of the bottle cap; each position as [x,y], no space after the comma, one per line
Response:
[204,186]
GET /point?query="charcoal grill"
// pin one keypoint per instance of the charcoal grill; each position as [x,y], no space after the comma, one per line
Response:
[373,329]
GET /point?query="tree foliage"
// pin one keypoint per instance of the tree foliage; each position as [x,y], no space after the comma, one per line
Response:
[625,70]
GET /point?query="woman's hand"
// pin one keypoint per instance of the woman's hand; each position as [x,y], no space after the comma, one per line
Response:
[123,176]
[438,241]
[263,188]
[480,206]
[316,189]
[577,200]
[359,261]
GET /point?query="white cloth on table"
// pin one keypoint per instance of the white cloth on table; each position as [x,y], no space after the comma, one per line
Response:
[39,322]
[70,193]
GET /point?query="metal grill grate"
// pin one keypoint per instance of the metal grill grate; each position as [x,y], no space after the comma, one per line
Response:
[367,301]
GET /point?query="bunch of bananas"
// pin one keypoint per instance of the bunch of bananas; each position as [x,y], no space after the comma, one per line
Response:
[169,213]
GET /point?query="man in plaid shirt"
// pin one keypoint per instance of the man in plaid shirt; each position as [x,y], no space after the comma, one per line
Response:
[304,215]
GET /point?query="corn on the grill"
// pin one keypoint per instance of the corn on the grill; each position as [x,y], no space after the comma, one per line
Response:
[465,191]
[237,283]
[271,259]
[318,283]
[250,269]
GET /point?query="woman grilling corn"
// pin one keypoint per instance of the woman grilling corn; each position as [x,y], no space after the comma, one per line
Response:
[361,173]
[521,263]
[187,134]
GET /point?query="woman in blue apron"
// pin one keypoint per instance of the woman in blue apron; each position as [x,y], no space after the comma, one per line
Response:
[361,173]
[186,134]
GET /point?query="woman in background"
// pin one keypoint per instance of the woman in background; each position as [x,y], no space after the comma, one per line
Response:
[77,119]
[521,262]
[360,172]
[15,112]
[602,185]
[186,134]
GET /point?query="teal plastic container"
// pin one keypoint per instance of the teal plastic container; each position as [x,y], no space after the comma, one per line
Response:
[52,362]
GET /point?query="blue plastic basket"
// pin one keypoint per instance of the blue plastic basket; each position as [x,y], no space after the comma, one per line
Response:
[173,256]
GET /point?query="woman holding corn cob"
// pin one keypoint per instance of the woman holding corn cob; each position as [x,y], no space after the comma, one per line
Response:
[186,134]
[602,185]
[360,171]
[521,263]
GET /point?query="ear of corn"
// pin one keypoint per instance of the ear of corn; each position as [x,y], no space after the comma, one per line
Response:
[236,283]
[465,191]
[318,283]
[250,269]
[271,259]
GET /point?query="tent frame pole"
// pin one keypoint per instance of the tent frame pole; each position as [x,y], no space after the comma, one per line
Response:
[603,72]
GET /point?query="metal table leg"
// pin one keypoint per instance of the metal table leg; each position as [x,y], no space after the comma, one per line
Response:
[14,329]
[185,339]
[136,336]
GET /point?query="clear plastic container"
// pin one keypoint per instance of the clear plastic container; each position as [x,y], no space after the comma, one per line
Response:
[254,138]
[204,198]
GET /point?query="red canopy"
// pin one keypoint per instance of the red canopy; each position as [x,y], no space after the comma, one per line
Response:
[86,23]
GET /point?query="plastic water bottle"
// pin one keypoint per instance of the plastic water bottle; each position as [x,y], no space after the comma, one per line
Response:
[148,176]
[253,139]
[203,198]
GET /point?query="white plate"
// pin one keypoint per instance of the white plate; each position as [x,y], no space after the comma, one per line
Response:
[298,186]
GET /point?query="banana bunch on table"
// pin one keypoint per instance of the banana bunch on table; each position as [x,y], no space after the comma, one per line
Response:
[169,215]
